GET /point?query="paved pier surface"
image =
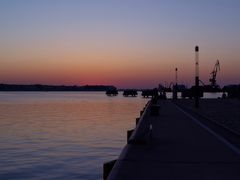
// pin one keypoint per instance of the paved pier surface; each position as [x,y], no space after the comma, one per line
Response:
[225,112]
[178,147]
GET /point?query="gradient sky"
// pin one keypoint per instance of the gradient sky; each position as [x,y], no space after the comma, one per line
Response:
[126,43]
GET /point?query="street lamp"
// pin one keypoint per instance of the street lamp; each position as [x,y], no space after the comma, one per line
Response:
[196,93]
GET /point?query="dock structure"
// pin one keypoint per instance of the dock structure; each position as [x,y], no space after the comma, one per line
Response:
[177,143]
[130,92]
[112,92]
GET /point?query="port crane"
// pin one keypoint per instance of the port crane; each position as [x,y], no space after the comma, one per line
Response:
[212,80]
[212,87]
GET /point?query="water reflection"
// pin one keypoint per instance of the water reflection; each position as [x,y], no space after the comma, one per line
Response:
[62,135]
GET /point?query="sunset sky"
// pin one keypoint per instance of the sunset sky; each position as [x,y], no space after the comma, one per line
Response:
[126,43]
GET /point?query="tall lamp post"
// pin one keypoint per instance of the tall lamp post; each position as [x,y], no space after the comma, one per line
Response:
[196,77]
[176,84]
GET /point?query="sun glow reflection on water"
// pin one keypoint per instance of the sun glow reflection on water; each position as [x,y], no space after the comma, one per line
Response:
[62,134]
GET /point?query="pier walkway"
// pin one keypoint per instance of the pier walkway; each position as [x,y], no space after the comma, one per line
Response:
[175,145]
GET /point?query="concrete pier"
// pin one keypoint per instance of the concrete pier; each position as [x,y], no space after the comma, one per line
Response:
[176,144]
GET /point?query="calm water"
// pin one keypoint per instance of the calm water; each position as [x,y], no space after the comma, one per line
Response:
[62,135]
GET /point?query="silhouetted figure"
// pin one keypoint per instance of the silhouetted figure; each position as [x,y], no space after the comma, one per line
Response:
[155,96]
[162,95]
[224,95]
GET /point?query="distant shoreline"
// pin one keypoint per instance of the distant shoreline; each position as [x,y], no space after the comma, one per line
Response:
[56,88]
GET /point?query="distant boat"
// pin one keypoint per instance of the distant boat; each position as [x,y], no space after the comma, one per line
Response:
[130,92]
[112,92]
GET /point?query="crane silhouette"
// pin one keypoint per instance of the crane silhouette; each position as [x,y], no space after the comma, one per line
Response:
[213,80]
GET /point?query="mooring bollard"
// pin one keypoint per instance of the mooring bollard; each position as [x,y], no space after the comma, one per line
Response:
[137,120]
[129,133]
[107,168]
[150,133]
